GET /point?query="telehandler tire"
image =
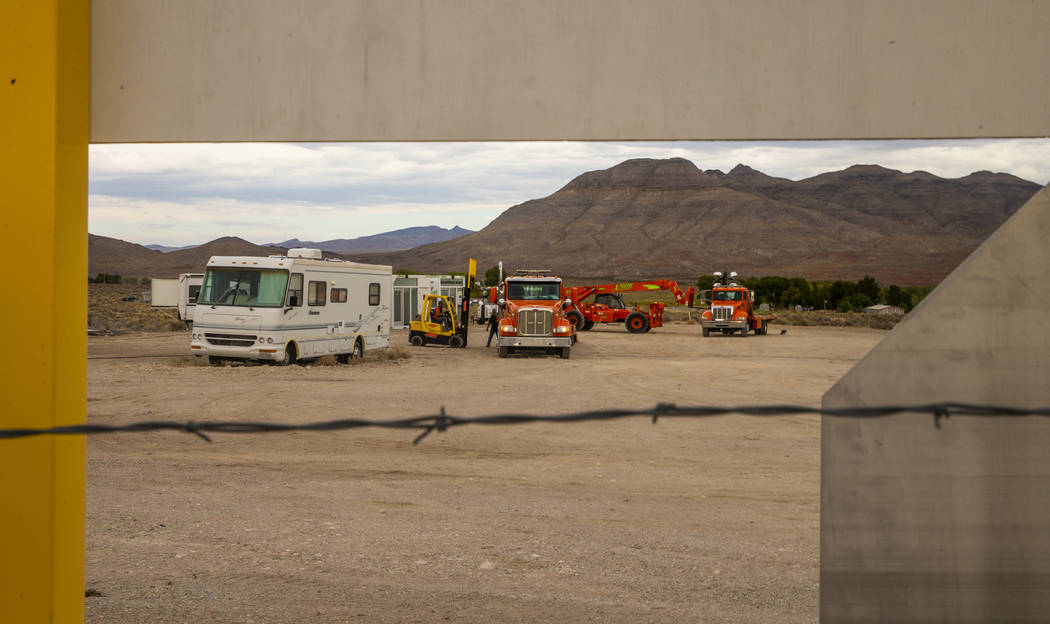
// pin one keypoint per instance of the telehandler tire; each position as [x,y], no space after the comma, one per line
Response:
[587,326]
[636,323]
[576,318]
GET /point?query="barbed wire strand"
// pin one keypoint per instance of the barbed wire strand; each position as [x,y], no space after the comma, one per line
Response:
[443,421]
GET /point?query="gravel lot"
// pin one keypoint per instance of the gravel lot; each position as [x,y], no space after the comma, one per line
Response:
[684,521]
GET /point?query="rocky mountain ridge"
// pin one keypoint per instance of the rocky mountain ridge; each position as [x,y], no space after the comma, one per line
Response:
[649,218]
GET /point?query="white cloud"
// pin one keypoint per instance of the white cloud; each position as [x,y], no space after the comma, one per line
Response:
[191,193]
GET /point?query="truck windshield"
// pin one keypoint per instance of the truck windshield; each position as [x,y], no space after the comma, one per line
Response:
[243,287]
[727,295]
[534,291]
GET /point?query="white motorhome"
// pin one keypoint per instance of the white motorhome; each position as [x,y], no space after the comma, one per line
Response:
[294,307]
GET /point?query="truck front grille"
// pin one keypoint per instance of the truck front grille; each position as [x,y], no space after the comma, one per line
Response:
[722,313]
[230,340]
[535,323]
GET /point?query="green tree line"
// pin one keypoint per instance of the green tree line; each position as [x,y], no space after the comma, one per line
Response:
[841,295]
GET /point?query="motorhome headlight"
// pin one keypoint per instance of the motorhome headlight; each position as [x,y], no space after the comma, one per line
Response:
[261,339]
[269,340]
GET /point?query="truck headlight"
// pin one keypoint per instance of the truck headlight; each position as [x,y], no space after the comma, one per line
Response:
[562,329]
[508,329]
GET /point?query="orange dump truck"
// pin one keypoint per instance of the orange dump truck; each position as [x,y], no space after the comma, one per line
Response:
[532,315]
[733,309]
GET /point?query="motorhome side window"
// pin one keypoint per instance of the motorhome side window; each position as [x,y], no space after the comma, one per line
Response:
[194,291]
[243,287]
[317,294]
[295,291]
[373,294]
[338,295]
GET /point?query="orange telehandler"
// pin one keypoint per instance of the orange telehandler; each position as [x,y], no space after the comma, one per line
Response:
[608,306]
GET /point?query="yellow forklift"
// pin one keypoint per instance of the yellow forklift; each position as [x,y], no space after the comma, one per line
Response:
[439,323]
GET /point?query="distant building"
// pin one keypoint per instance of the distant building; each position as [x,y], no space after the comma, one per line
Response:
[410,289]
[882,308]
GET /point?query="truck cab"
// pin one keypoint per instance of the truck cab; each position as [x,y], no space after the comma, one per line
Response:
[532,315]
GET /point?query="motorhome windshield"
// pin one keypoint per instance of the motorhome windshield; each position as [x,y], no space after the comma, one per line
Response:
[534,291]
[727,295]
[243,287]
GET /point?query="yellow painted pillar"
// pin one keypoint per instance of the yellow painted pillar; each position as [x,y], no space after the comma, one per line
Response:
[44,95]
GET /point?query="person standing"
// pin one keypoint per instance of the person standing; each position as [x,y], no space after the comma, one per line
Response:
[493,326]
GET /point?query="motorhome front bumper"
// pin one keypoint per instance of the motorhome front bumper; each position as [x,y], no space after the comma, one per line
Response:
[534,341]
[257,352]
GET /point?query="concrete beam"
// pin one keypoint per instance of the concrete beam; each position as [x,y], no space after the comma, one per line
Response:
[949,524]
[469,70]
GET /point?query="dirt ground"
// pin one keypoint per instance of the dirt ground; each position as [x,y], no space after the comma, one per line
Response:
[625,521]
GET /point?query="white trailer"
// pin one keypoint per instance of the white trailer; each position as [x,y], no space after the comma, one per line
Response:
[295,307]
[164,293]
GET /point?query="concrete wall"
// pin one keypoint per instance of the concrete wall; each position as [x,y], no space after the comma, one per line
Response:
[302,70]
[949,524]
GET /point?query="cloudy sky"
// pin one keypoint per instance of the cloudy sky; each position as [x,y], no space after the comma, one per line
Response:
[182,194]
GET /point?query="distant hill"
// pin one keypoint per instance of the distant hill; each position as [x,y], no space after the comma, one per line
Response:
[109,255]
[387,241]
[166,248]
[649,218]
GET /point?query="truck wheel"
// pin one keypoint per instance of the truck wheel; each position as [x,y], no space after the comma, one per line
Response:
[575,317]
[416,341]
[455,341]
[636,323]
[289,355]
[504,351]
[565,352]
[587,325]
[705,331]
[743,332]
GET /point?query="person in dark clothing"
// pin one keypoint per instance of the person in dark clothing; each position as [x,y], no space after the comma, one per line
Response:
[493,326]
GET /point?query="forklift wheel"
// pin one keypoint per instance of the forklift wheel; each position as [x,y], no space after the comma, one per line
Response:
[455,341]
[416,341]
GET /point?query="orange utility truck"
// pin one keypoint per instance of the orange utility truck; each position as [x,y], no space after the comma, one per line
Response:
[608,307]
[532,315]
[733,309]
